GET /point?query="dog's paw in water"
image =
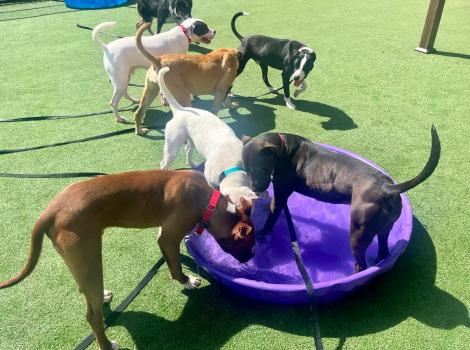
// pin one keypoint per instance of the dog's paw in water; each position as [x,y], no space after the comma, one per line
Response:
[192,283]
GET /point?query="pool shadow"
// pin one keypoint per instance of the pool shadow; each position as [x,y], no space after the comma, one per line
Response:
[213,314]
[408,290]
[337,118]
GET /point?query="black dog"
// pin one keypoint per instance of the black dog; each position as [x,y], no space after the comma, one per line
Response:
[162,9]
[299,165]
[293,58]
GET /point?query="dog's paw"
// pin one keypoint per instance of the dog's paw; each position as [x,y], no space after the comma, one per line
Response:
[114,345]
[192,283]
[289,104]
[233,105]
[297,93]
[120,119]
[107,296]
[142,131]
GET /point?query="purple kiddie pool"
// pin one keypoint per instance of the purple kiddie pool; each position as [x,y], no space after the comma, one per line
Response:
[323,234]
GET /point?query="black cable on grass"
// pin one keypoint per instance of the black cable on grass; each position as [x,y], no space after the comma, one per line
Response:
[56,117]
[35,16]
[30,8]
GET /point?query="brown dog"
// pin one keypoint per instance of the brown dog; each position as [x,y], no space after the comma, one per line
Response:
[175,200]
[210,74]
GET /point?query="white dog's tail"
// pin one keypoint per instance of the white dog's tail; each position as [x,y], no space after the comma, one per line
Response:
[97,29]
[174,105]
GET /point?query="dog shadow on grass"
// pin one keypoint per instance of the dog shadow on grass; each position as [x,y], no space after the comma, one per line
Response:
[199,49]
[213,314]
[337,118]
[259,119]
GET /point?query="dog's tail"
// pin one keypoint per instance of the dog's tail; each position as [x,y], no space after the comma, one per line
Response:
[428,168]
[37,235]
[174,105]
[234,18]
[138,41]
[97,29]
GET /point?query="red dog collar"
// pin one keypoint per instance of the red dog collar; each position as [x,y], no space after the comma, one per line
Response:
[185,31]
[204,222]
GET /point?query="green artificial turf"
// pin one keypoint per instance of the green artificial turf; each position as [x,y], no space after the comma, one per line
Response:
[369,92]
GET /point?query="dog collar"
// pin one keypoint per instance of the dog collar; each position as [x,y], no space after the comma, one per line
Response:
[185,31]
[229,171]
[204,222]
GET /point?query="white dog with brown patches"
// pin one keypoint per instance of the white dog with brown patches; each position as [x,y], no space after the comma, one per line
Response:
[213,139]
[121,57]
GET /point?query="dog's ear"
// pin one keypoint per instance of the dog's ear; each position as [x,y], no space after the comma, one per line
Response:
[267,147]
[242,230]
[245,205]
[246,139]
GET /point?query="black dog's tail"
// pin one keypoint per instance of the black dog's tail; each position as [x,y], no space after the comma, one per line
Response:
[428,168]
[234,18]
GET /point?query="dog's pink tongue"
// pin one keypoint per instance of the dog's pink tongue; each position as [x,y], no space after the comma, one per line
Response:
[298,82]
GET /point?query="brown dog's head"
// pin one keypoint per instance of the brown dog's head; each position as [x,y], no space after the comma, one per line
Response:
[259,158]
[239,242]
[198,30]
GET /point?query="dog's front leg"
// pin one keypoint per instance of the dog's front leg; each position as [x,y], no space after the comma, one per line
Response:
[277,204]
[170,248]
[285,84]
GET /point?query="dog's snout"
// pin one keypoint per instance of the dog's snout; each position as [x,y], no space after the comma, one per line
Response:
[214,31]
[296,78]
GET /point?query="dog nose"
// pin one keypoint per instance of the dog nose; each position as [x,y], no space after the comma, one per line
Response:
[215,32]
[296,78]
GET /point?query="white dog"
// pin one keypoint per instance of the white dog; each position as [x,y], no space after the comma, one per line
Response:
[121,56]
[213,139]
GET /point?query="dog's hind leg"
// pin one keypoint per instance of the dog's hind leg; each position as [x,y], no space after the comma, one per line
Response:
[114,103]
[189,148]
[174,139]
[162,16]
[151,91]
[264,74]
[362,230]
[383,243]
[82,255]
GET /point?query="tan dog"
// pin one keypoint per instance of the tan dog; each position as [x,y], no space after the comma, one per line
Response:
[210,74]
[175,200]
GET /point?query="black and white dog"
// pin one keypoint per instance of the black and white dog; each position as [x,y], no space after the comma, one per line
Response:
[293,58]
[162,9]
